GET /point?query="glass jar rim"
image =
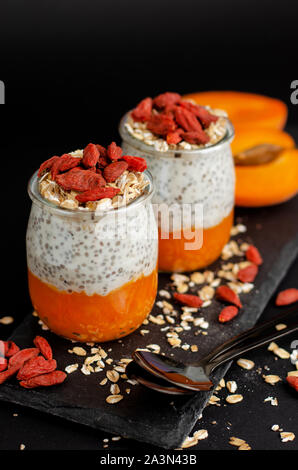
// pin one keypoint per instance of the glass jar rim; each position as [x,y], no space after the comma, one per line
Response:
[172,153]
[37,198]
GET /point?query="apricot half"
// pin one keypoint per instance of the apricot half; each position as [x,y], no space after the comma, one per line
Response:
[245,108]
[270,183]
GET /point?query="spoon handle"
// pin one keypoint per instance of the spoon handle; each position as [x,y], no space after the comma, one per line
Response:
[253,338]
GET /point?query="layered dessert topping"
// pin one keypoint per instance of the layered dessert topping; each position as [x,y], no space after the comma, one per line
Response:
[96,178]
[168,122]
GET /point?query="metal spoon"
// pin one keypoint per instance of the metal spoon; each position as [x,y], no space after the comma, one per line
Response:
[195,377]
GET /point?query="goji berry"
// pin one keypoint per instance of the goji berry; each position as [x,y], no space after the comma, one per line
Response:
[188,299]
[143,110]
[287,297]
[174,137]
[166,99]
[45,380]
[80,180]
[114,152]
[22,356]
[90,156]
[252,254]
[36,366]
[3,363]
[227,314]
[11,348]
[195,137]
[8,373]
[47,165]
[96,194]
[67,162]
[161,124]
[187,120]
[228,295]
[248,274]
[102,162]
[44,347]
[202,113]
[293,381]
[135,163]
[102,150]
[114,170]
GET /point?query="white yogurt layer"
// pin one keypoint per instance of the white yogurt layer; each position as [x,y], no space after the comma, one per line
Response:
[203,177]
[76,253]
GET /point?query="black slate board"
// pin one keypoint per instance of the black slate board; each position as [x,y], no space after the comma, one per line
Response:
[145,415]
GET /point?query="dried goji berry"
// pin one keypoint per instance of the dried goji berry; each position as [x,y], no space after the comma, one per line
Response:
[293,381]
[103,161]
[174,137]
[44,347]
[135,163]
[114,170]
[36,366]
[248,274]
[187,120]
[102,150]
[228,295]
[252,254]
[188,299]
[114,152]
[96,194]
[166,99]
[47,165]
[90,156]
[3,363]
[227,314]
[45,380]
[64,163]
[202,113]
[195,137]
[22,356]
[287,297]
[161,124]
[67,162]
[11,348]
[80,180]
[8,373]
[142,112]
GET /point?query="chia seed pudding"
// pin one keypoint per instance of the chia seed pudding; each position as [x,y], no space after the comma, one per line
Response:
[91,254]
[188,174]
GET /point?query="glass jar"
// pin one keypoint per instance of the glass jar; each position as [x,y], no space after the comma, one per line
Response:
[92,276]
[200,178]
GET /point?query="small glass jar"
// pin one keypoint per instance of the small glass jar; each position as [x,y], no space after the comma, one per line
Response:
[92,276]
[203,177]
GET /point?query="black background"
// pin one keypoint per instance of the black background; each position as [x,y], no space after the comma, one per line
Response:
[71,68]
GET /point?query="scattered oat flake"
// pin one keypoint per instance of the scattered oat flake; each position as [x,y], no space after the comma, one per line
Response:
[246,363]
[113,375]
[275,427]
[271,379]
[235,441]
[22,446]
[234,398]
[103,382]
[112,399]
[287,436]
[6,320]
[71,368]
[164,293]
[194,348]
[214,400]
[79,351]
[273,401]
[232,386]
[280,326]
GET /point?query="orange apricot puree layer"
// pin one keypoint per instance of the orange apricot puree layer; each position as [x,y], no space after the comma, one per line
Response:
[94,317]
[172,255]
